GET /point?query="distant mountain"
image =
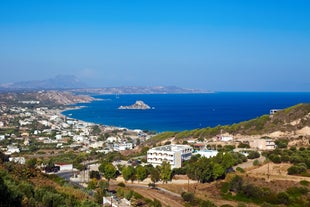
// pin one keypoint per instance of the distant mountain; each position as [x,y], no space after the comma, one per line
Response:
[58,82]
[73,84]
[139,90]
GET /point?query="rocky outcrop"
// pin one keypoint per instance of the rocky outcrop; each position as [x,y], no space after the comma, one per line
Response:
[139,105]
[63,98]
[45,98]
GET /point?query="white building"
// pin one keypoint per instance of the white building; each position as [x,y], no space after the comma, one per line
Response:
[96,145]
[64,166]
[263,144]
[19,160]
[12,149]
[123,146]
[115,202]
[113,139]
[207,153]
[2,137]
[78,138]
[174,154]
[226,138]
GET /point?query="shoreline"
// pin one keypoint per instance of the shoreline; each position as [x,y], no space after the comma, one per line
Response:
[207,112]
[59,112]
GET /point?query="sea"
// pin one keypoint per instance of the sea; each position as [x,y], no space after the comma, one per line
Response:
[179,112]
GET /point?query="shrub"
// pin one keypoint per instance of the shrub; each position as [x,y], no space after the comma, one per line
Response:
[206,204]
[275,158]
[167,143]
[236,184]
[297,169]
[253,155]
[297,191]
[121,184]
[304,182]
[256,163]
[239,169]
[281,143]
[188,196]
[283,198]
[94,174]
[156,203]
[243,145]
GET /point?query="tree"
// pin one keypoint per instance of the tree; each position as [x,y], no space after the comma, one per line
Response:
[228,161]
[155,175]
[200,170]
[92,184]
[253,155]
[165,172]
[96,130]
[217,171]
[94,174]
[281,143]
[108,170]
[128,173]
[31,163]
[141,173]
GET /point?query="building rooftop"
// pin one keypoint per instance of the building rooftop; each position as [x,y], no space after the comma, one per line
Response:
[171,148]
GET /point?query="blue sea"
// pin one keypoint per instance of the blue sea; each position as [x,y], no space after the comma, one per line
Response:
[178,112]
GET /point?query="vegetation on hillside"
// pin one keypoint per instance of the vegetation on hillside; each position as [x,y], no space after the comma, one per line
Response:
[237,188]
[300,158]
[23,185]
[283,120]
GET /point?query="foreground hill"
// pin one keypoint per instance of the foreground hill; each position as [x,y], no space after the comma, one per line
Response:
[24,185]
[289,122]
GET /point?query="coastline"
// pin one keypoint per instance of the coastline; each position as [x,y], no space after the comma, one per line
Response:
[180,112]
[59,112]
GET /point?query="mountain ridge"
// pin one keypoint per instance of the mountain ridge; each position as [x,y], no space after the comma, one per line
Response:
[73,84]
[57,82]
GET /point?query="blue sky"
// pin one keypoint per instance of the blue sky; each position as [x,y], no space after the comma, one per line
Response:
[219,45]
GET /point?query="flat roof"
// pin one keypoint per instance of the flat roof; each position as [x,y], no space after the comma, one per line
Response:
[171,147]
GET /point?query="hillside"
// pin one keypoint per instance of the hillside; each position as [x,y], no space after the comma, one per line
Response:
[293,121]
[138,90]
[44,98]
[57,82]
[24,185]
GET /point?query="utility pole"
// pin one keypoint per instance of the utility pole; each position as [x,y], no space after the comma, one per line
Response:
[268,171]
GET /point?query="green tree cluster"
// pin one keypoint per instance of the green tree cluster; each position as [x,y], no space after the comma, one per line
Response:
[300,158]
[209,169]
[17,189]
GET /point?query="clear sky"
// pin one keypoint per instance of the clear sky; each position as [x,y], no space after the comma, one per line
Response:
[220,45]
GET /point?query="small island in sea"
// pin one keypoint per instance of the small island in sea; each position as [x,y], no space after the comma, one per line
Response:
[139,105]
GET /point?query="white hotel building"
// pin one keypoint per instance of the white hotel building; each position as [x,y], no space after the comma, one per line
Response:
[174,154]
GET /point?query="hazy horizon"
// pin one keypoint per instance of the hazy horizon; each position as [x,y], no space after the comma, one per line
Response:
[210,45]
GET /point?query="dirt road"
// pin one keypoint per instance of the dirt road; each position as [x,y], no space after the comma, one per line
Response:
[167,198]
